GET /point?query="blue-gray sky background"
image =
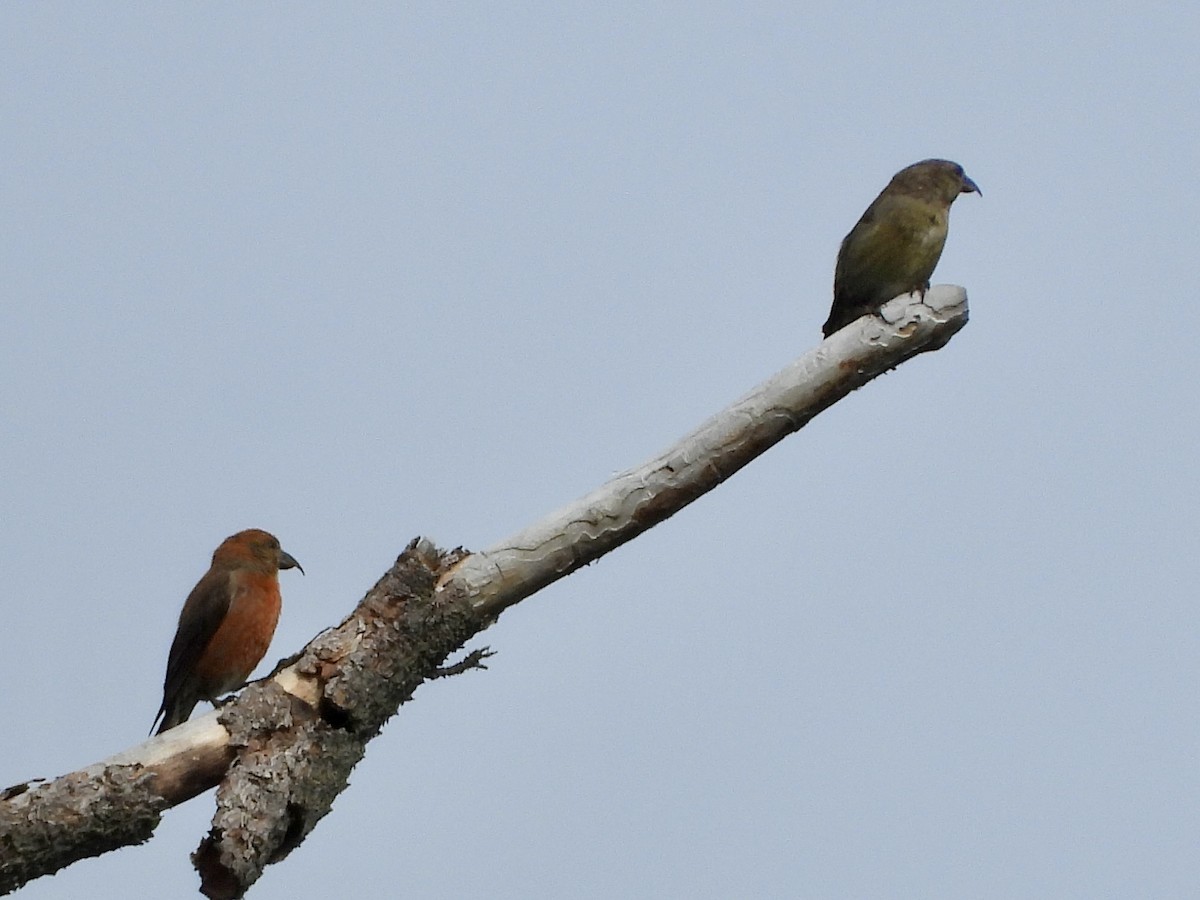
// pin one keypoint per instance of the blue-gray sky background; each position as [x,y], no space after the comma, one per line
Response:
[357,274]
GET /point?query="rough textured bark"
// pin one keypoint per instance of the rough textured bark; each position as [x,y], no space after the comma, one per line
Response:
[282,751]
[86,813]
[280,758]
[293,758]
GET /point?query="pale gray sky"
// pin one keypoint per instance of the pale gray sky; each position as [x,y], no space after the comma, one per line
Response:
[357,274]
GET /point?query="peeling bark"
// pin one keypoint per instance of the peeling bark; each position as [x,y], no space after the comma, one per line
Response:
[294,758]
[83,814]
[283,749]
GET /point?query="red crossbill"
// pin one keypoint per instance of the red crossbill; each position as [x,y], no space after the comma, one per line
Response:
[226,624]
[897,243]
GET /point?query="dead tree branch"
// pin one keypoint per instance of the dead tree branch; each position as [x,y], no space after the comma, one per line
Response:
[283,750]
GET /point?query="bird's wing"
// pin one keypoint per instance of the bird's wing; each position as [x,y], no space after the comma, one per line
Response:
[202,614]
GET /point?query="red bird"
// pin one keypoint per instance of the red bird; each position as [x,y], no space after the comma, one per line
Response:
[226,624]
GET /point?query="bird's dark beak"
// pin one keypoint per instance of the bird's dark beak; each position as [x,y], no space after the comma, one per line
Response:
[970,187]
[287,561]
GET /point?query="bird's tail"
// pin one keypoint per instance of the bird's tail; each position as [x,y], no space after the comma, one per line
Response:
[174,711]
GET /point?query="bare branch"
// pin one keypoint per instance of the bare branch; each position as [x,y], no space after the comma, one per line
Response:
[282,751]
[634,501]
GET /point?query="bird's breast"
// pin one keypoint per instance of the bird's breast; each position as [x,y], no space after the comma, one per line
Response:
[244,635]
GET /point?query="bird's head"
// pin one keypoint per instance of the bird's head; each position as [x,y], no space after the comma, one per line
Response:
[935,179]
[256,547]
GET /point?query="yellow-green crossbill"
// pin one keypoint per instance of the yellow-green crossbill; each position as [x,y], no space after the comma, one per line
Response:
[897,243]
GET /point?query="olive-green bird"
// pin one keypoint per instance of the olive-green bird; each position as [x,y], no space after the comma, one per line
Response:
[897,243]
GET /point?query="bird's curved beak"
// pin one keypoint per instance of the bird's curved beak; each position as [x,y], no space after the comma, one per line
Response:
[970,187]
[287,561]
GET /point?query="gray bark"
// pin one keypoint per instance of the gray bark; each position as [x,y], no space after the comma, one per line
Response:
[282,751]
